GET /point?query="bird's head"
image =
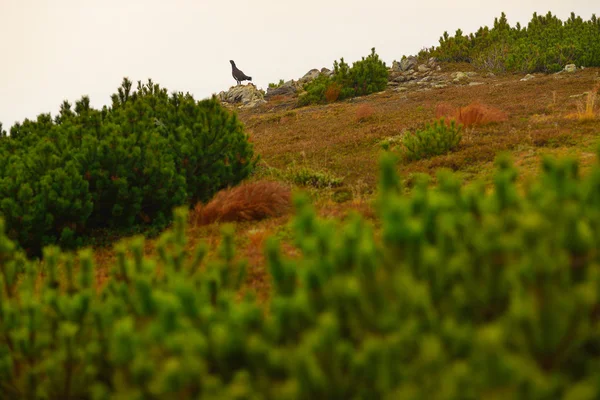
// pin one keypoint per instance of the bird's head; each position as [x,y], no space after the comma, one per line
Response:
[232,63]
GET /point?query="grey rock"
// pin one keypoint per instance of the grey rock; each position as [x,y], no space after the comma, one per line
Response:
[439,86]
[310,76]
[423,68]
[408,63]
[471,74]
[475,83]
[287,89]
[254,103]
[432,62]
[459,77]
[326,71]
[527,78]
[570,68]
[247,96]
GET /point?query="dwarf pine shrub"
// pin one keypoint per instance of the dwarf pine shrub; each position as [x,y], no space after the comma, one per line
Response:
[460,293]
[546,44]
[305,176]
[366,76]
[276,85]
[124,165]
[435,139]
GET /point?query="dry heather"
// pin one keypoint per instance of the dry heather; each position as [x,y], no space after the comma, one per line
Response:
[247,202]
[473,114]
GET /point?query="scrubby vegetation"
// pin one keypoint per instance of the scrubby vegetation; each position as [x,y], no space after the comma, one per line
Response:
[466,292]
[443,288]
[127,164]
[435,139]
[366,76]
[546,44]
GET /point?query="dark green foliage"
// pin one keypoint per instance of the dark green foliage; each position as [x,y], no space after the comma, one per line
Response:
[315,91]
[437,138]
[127,164]
[276,85]
[465,293]
[366,76]
[546,44]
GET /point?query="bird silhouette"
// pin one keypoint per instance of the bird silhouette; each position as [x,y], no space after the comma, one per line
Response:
[238,75]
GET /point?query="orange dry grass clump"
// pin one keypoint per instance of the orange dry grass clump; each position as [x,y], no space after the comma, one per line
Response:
[364,112]
[246,202]
[473,114]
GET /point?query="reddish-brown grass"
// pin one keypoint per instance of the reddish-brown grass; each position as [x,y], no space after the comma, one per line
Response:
[364,112]
[246,202]
[473,114]
[332,92]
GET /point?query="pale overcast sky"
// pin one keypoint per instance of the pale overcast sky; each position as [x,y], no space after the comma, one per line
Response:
[52,50]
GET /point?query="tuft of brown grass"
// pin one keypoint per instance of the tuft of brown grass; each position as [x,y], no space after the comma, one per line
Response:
[473,114]
[586,109]
[364,112]
[247,202]
[332,92]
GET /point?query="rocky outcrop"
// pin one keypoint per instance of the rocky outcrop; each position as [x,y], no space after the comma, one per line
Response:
[292,87]
[405,64]
[326,71]
[309,76]
[427,75]
[245,96]
[289,88]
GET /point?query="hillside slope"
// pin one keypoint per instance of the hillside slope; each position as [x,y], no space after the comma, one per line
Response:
[343,141]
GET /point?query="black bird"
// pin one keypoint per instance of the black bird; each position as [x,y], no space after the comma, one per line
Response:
[238,75]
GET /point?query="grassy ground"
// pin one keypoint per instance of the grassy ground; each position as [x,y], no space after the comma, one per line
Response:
[342,141]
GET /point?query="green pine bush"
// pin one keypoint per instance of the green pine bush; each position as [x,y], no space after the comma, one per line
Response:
[546,44]
[366,76]
[459,293]
[276,85]
[122,166]
[435,139]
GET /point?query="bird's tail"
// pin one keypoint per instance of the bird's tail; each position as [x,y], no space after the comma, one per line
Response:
[250,78]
